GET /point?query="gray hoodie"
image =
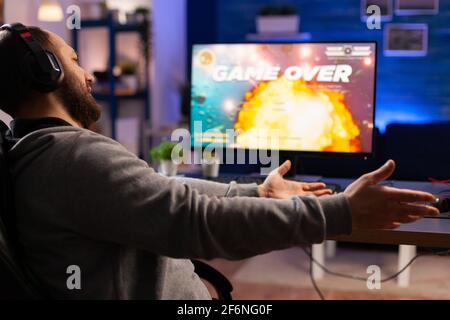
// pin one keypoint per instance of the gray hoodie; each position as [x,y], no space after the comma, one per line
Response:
[83,200]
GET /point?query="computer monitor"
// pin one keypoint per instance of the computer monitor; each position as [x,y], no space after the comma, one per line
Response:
[312,97]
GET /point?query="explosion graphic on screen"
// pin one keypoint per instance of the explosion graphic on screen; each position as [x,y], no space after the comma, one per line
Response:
[304,116]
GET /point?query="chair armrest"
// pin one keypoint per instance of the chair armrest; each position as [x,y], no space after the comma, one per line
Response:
[220,283]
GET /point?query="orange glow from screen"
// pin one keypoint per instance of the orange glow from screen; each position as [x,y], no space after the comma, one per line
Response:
[304,116]
[367,61]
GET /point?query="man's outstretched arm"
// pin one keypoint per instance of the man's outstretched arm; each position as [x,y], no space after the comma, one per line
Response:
[113,196]
[212,188]
[274,186]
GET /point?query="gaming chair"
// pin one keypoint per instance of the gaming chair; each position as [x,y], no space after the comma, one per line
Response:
[46,73]
[15,281]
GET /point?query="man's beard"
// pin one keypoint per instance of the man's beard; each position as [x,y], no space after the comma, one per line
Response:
[80,104]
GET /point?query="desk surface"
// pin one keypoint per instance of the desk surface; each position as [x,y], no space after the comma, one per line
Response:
[427,232]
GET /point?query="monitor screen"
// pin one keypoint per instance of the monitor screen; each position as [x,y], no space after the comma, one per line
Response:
[302,97]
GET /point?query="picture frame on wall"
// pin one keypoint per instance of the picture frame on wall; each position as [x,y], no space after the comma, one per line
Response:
[386,8]
[416,7]
[406,40]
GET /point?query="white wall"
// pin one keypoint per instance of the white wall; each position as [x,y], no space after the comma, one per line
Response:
[169,38]
[17,10]
[25,11]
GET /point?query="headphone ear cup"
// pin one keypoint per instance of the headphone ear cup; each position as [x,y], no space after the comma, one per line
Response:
[40,80]
[57,68]
[26,70]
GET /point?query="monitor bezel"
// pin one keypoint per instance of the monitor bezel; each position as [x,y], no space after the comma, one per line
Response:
[296,153]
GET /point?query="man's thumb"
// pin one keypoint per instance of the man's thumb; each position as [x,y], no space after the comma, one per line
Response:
[383,172]
[284,168]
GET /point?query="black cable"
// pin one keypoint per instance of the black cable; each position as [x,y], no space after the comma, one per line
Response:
[311,276]
[342,275]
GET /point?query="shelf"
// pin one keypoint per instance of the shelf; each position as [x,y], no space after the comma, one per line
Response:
[113,94]
[94,23]
[117,27]
[283,37]
[341,35]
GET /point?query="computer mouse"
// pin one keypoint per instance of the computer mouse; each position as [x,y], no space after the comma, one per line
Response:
[442,204]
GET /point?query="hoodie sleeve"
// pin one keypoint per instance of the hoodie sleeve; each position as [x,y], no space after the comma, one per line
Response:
[113,196]
[212,188]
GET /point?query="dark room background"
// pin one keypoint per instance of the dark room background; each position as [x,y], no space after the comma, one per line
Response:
[411,92]
[409,89]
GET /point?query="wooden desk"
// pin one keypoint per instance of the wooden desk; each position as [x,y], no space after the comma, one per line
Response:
[427,232]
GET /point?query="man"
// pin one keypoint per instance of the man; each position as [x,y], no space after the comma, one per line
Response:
[84,200]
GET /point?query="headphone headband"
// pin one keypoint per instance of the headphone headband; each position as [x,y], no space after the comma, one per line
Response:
[44,69]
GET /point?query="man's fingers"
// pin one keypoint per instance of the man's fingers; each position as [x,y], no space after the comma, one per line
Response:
[284,168]
[393,225]
[409,212]
[382,173]
[322,192]
[408,218]
[404,195]
[313,186]
[416,209]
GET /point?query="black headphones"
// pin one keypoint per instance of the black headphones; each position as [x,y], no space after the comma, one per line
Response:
[42,67]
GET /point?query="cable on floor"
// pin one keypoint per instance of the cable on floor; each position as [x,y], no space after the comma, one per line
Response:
[343,275]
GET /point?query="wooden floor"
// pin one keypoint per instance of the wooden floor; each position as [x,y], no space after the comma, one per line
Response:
[285,275]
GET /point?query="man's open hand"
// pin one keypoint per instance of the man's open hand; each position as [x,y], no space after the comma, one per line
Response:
[380,207]
[275,186]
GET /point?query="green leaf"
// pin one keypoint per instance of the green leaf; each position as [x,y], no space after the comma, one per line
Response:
[164,151]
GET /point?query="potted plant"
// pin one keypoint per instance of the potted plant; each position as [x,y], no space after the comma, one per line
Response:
[163,154]
[138,15]
[278,19]
[142,14]
[129,76]
[210,164]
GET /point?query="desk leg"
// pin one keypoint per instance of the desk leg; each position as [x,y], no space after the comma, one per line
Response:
[330,248]
[405,254]
[318,253]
